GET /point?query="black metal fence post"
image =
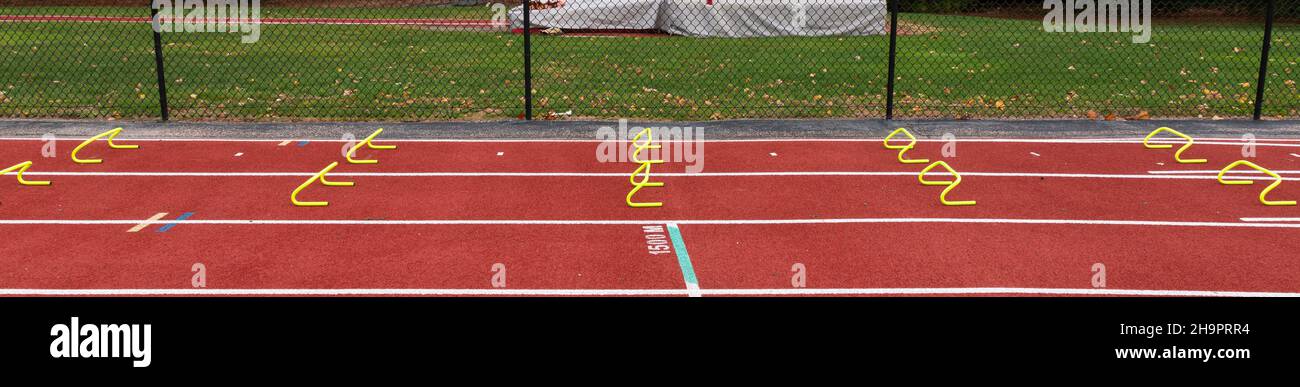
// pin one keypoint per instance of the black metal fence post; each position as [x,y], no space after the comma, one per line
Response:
[528,64]
[893,39]
[158,62]
[1263,61]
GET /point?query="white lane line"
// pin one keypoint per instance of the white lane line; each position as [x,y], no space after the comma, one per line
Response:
[282,143]
[239,154]
[1295,155]
[148,222]
[1035,154]
[971,291]
[1149,175]
[1208,141]
[1270,219]
[1216,172]
[599,222]
[693,290]
[501,153]
[639,292]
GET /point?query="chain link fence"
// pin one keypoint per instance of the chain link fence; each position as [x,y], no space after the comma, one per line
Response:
[52,66]
[996,60]
[1282,95]
[710,59]
[411,63]
[413,60]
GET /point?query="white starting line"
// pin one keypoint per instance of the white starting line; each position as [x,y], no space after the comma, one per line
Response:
[643,292]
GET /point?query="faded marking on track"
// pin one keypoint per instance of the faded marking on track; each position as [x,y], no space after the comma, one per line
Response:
[147,222]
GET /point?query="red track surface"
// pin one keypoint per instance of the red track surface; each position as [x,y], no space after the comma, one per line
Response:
[597,242]
[579,156]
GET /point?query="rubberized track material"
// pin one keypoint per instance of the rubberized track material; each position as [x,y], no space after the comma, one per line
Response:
[786,217]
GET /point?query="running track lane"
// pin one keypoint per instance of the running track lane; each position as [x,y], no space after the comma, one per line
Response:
[878,256]
[995,255]
[580,157]
[449,257]
[602,198]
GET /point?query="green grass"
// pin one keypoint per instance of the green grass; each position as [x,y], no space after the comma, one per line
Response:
[1282,97]
[948,66]
[76,70]
[687,78]
[423,12]
[347,73]
[1009,68]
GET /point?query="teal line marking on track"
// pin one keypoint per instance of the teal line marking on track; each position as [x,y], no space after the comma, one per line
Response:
[169,226]
[683,258]
[303,143]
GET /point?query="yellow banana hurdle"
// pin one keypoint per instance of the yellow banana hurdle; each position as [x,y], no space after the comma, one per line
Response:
[644,169]
[369,143]
[1178,156]
[320,176]
[902,149]
[1263,195]
[19,169]
[943,196]
[112,134]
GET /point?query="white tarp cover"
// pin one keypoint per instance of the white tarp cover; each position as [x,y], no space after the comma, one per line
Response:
[594,15]
[723,18]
